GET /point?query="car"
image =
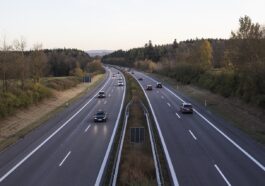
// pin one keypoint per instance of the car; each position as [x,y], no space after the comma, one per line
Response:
[120,84]
[100,116]
[186,108]
[101,94]
[140,79]
[149,87]
[113,75]
[158,85]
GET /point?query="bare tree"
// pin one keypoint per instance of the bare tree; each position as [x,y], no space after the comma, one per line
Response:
[4,59]
[20,46]
[38,62]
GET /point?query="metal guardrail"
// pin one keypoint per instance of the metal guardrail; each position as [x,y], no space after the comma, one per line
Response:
[159,176]
[115,170]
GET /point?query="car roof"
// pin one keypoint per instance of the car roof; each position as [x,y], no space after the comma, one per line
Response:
[186,103]
[100,112]
[101,92]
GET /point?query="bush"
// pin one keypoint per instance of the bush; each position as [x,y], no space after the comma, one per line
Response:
[63,84]
[10,101]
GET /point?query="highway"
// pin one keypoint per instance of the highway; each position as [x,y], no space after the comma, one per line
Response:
[201,148]
[69,149]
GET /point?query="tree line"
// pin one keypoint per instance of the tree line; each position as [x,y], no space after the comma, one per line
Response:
[230,67]
[20,65]
[22,73]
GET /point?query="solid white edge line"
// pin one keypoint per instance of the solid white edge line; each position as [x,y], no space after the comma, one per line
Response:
[64,158]
[192,135]
[170,165]
[47,139]
[158,179]
[223,176]
[101,171]
[218,130]
[119,155]
[87,127]
[178,115]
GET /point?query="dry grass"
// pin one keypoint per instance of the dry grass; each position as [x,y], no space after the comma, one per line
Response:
[24,120]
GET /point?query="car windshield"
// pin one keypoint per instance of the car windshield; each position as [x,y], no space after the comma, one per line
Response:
[187,106]
[100,113]
[101,92]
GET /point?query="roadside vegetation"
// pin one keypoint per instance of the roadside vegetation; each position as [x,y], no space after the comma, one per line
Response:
[28,77]
[230,68]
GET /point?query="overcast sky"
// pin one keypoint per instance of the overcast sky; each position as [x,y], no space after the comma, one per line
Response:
[121,24]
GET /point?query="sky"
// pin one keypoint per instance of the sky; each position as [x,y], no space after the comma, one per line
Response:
[121,24]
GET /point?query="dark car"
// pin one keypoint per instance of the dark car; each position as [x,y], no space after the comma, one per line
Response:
[101,94]
[100,116]
[140,79]
[186,108]
[158,85]
[149,87]
[120,84]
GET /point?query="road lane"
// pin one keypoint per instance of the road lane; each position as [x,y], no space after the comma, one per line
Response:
[194,160]
[87,149]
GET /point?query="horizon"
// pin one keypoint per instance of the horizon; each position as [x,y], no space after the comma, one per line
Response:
[117,24]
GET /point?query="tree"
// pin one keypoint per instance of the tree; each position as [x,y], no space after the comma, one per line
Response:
[175,44]
[20,46]
[38,63]
[247,29]
[77,71]
[5,64]
[246,46]
[205,52]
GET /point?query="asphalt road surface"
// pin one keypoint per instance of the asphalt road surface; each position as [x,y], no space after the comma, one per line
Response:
[202,149]
[69,149]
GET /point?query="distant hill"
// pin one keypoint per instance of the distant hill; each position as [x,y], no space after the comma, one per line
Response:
[94,53]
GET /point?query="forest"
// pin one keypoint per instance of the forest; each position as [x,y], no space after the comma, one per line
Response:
[233,67]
